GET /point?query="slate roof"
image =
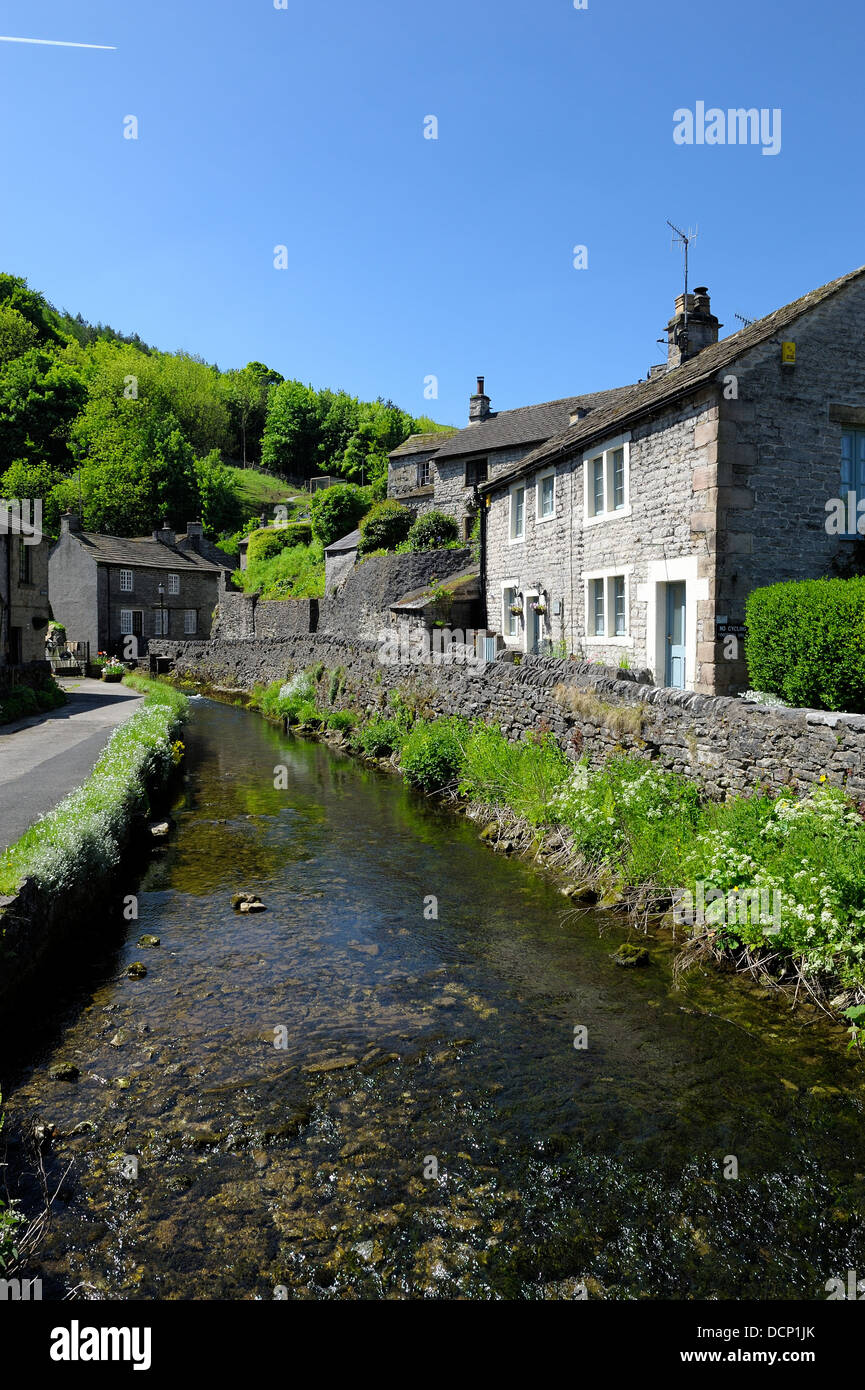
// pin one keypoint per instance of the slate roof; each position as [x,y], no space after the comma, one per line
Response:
[466,580]
[420,444]
[345,544]
[528,424]
[142,553]
[633,401]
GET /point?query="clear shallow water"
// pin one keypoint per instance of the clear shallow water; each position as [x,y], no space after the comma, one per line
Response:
[307,1167]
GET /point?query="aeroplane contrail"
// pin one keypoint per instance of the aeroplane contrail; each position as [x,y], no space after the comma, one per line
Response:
[60,43]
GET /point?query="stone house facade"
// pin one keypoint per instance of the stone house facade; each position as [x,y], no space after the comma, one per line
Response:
[443,472]
[24,608]
[118,592]
[637,534]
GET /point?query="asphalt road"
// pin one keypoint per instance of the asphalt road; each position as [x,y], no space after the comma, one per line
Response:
[41,761]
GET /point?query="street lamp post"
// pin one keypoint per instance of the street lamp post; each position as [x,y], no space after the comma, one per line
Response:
[161,588]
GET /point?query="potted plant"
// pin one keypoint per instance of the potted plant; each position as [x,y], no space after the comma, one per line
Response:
[113,671]
[517,608]
[539,605]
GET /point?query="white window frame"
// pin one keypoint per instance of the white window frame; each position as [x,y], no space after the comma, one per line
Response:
[174,583]
[190,622]
[543,518]
[126,622]
[510,621]
[161,621]
[608,576]
[606,451]
[130,587]
[514,537]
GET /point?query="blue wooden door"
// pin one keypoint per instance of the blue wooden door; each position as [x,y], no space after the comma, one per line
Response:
[675,675]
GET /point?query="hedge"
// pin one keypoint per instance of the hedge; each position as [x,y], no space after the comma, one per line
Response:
[805,641]
[433,531]
[385,527]
[266,544]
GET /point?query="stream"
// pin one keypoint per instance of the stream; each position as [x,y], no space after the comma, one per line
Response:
[362,1093]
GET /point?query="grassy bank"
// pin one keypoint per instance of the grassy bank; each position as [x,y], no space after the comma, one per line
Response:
[82,837]
[782,877]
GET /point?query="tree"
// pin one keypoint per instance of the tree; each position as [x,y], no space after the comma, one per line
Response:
[39,398]
[17,334]
[335,511]
[292,433]
[246,393]
[385,527]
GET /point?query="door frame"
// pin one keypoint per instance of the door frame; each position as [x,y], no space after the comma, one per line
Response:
[532,619]
[669,623]
[652,592]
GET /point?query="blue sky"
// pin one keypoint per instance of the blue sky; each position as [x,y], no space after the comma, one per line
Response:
[408,257]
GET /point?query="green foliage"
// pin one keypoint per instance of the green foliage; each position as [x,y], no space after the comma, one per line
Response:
[522,776]
[432,754]
[433,531]
[335,511]
[296,571]
[20,701]
[264,545]
[385,526]
[380,738]
[806,642]
[150,435]
[342,720]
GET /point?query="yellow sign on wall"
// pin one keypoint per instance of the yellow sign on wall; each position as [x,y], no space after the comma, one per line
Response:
[788,352]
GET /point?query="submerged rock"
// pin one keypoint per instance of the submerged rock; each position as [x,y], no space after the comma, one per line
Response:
[159,829]
[148,940]
[253,907]
[64,1071]
[629,954]
[137,970]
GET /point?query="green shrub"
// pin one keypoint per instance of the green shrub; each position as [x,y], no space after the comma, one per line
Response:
[18,704]
[342,720]
[806,642]
[385,526]
[379,738]
[307,713]
[432,754]
[335,511]
[267,544]
[524,776]
[433,531]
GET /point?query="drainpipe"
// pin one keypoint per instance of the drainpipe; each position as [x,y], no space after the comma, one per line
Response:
[481,503]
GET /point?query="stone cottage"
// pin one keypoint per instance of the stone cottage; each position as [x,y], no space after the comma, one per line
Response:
[24,610]
[117,592]
[636,534]
[444,472]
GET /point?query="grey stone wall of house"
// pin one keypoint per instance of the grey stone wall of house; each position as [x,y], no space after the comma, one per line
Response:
[558,555]
[28,608]
[74,592]
[453,494]
[86,597]
[724,744]
[776,460]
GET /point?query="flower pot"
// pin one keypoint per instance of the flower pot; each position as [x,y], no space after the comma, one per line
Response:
[112,677]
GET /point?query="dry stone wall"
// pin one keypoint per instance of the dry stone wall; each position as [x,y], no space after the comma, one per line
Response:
[723,743]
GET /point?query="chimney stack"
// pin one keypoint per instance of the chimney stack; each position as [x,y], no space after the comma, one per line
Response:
[164,534]
[194,534]
[479,405]
[69,523]
[688,334]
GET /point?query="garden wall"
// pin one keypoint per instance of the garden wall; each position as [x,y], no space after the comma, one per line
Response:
[723,743]
[360,610]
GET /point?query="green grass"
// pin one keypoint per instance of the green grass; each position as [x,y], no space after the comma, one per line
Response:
[296,572]
[258,492]
[82,838]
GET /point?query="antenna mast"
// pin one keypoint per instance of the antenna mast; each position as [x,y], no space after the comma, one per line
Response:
[683,239]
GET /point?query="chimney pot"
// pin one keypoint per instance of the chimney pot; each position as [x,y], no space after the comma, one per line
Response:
[479,405]
[702,327]
[69,522]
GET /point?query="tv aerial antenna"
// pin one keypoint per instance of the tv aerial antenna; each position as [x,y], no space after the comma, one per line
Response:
[746,323]
[683,239]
